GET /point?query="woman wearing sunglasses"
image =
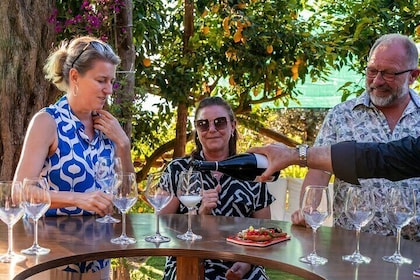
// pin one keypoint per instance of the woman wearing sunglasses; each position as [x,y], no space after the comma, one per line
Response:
[215,140]
[64,140]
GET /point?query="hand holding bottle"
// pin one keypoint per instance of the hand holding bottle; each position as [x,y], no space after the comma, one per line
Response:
[247,167]
[279,156]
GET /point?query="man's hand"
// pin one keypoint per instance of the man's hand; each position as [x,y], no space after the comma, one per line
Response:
[279,157]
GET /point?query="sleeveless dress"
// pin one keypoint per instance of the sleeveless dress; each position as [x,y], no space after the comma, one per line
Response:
[71,167]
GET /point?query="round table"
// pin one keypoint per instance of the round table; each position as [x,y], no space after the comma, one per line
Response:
[75,239]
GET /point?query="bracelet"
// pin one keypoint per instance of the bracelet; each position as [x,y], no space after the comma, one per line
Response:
[302,151]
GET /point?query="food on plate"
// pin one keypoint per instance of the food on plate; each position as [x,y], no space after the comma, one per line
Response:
[261,234]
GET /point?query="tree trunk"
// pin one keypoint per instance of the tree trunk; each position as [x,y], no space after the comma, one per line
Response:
[181,124]
[181,130]
[125,77]
[126,74]
[25,41]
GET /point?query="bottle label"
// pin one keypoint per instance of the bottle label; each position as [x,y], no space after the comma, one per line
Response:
[262,161]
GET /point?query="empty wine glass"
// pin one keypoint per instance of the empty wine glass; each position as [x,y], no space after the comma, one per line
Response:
[124,196]
[105,170]
[359,207]
[401,208]
[316,208]
[11,211]
[36,201]
[159,194]
[189,192]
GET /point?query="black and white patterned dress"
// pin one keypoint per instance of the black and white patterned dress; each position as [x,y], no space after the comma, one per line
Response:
[236,198]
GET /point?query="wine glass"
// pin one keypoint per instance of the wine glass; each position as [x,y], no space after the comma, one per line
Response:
[36,201]
[217,175]
[105,169]
[359,207]
[11,211]
[124,196]
[316,208]
[189,192]
[401,208]
[159,194]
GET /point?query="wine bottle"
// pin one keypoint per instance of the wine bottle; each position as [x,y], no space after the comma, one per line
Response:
[244,166]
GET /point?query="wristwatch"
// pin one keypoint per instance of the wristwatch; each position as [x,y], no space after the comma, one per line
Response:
[302,151]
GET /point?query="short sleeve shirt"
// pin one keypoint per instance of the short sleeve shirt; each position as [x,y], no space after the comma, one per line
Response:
[358,119]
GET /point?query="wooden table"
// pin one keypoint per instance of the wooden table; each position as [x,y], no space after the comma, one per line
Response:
[74,239]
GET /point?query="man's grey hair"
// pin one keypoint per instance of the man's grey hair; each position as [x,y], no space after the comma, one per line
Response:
[408,43]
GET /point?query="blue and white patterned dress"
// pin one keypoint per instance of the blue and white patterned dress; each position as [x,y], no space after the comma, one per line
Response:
[71,167]
[237,198]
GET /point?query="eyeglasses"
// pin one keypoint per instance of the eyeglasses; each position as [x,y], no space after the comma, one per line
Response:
[387,76]
[204,125]
[97,46]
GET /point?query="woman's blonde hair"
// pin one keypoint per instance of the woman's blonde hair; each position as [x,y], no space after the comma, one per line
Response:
[79,53]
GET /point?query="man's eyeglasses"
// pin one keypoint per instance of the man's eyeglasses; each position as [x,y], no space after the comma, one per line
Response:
[204,125]
[97,46]
[386,75]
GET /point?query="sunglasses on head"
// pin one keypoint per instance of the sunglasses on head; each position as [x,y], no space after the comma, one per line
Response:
[204,125]
[97,46]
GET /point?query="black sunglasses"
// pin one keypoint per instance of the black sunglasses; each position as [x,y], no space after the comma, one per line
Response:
[204,125]
[97,46]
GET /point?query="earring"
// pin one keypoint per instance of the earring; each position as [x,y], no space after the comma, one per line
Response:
[75,91]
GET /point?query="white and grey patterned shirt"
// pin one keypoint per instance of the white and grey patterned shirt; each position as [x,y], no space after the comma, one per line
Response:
[358,119]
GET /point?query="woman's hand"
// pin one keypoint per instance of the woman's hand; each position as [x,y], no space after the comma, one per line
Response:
[97,201]
[238,271]
[110,126]
[297,218]
[209,200]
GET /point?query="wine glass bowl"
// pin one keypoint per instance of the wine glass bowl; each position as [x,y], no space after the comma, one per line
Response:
[35,201]
[189,193]
[106,169]
[401,208]
[359,208]
[315,208]
[158,193]
[11,211]
[124,196]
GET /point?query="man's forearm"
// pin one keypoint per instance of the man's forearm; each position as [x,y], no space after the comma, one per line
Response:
[320,158]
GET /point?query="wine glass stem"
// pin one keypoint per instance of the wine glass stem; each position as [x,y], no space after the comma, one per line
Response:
[357,240]
[314,241]
[398,241]
[157,222]
[35,232]
[10,238]
[189,219]
[123,224]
